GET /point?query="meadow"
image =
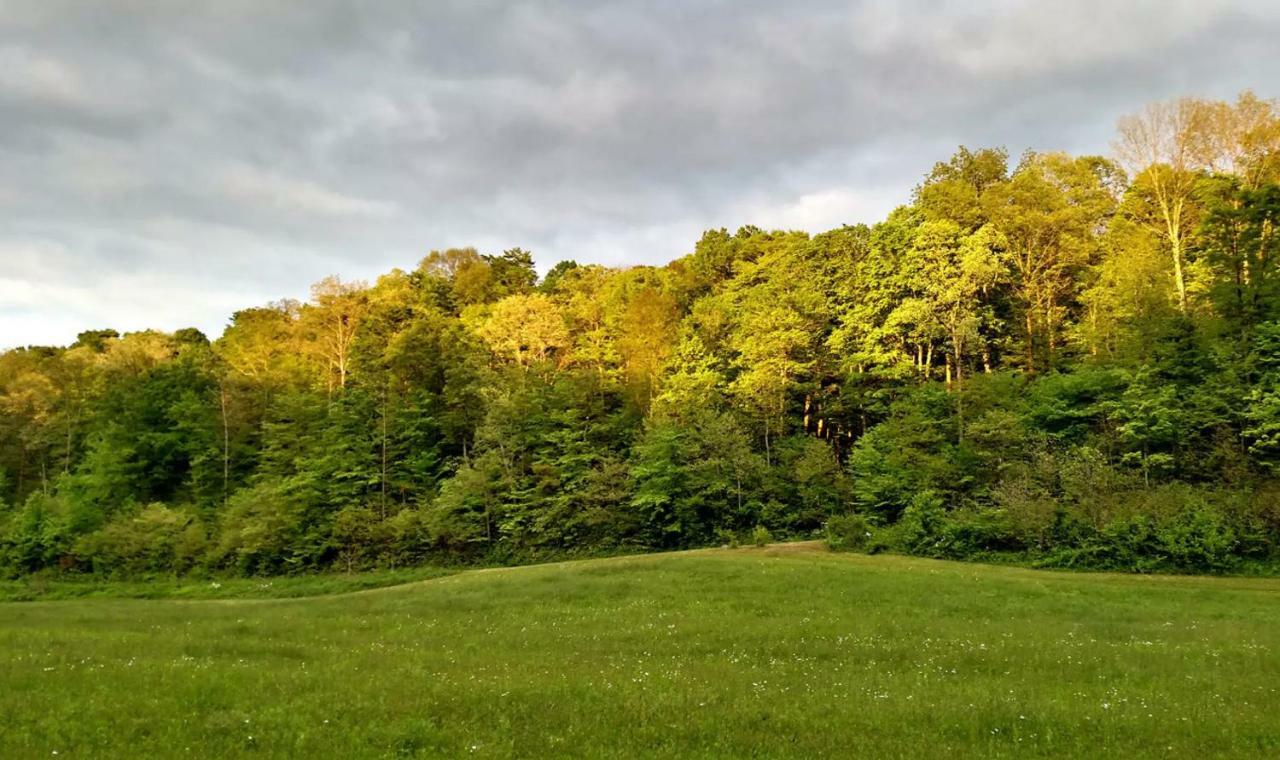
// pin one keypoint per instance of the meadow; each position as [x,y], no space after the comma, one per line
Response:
[785,651]
[46,587]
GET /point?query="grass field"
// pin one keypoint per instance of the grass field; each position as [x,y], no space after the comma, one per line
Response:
[39,588]
[781,652]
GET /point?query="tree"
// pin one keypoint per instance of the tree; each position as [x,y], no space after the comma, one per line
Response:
[953,190]
[513,272]
[694,478]
[1158,146]
[1240,239]
[868,333]
[1240,139]
[1049,362]
[551,282]
[957,275]
[777,329]
[646,327]
[334,320]
[1125,298]
[1149,424]
[526,329]
[582,293]
[1048,215]
[264,345]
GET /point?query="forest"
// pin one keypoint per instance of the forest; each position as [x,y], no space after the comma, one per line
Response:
[1056,360]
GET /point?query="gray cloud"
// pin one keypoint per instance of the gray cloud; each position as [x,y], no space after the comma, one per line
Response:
[162,165]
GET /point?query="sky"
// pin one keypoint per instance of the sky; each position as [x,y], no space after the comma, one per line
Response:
[163,165]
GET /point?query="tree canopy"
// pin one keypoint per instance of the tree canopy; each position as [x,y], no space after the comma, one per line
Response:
[1071,359]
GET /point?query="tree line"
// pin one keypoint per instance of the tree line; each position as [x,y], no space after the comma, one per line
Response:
[1064,360]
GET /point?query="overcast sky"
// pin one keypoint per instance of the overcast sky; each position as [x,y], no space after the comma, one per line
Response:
[162,166]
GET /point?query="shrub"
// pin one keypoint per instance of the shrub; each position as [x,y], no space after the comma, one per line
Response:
[760,535]
[816,484]
[36,535]
[1030,507]
[157,539]
[921,525]
[849,532]
[1129,543]
[969,532]
[408,537]
[259,527]
[1198,539]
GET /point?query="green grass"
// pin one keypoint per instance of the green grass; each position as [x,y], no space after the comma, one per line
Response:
[41,588]
[781,652]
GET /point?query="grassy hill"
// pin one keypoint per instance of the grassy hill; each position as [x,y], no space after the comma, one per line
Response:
[781,652]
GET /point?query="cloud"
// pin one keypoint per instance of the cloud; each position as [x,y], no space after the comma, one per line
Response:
[820,210]
[136,302]
[27,74]
[247,184]
[236,152]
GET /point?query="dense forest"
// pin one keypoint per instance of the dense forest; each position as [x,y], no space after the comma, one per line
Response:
[1069,361]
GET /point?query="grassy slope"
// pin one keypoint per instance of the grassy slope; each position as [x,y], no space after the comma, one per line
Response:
[782,652]
[38,588]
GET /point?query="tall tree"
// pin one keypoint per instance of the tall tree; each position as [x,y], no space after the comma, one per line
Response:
[1050,213]
[334,318]
[1158,146]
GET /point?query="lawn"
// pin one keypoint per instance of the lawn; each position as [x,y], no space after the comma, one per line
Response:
[781,652]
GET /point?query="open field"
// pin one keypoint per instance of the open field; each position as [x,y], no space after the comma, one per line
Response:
[40,588]
[781,652]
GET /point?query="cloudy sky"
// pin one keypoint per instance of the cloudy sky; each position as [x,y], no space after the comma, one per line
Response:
[163,166]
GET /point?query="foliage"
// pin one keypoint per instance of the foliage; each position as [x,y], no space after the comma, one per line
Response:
[1066,360]
[849,532]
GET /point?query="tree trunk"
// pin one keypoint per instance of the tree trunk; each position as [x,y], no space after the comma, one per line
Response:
[383,496]
[1050,343]
[1179,280]
[226,444]
[1031,351]
[66,460]
[958,344]
[1172,211]
[22,467]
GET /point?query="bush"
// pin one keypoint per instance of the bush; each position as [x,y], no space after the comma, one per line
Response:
[1130,544]
[157,539]
[760,535]
[920,528]
[815,485]
[1198,539]
[850,533]
[727,538]
[35,536]
[260,528]
[971,532]
[408,537]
